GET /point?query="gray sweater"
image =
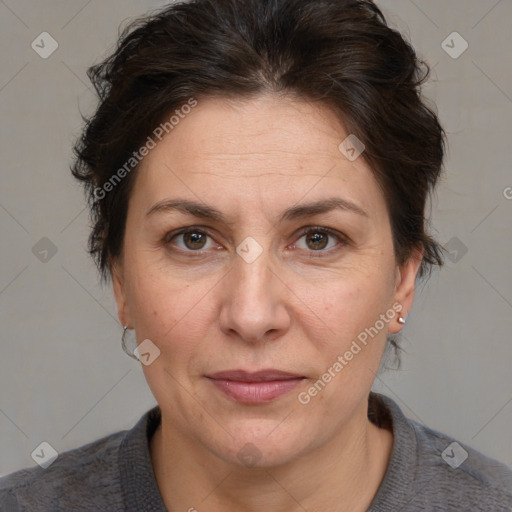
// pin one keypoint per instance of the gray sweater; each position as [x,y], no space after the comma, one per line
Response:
[428,471]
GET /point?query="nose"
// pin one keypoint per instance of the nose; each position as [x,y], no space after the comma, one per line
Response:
[254,301]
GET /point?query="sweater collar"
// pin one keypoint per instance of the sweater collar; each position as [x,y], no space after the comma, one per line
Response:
[138,481]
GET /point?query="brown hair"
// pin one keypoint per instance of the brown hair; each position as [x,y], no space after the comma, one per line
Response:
[338,52]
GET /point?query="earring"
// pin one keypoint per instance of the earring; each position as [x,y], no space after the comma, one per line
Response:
[123,344]
[401,320]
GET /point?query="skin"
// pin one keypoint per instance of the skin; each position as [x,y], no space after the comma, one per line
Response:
[296,308]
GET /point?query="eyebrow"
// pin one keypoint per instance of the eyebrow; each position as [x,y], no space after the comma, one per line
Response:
[205,211]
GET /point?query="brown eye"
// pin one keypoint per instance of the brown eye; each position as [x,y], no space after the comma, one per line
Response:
[316,240]
[194,240]
[189,240]
[321,240]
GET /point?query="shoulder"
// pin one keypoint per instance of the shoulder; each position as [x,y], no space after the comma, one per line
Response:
[460,474]
[432,471]
[75,477]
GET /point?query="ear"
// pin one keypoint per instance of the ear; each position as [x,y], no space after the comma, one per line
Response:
[405,287]
[118,283]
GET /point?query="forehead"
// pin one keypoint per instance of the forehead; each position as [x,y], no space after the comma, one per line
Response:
[284,148]
[264,128]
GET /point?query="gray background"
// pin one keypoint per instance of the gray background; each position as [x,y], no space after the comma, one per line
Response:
[63,376]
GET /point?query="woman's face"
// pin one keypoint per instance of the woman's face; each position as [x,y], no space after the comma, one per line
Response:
[279,279]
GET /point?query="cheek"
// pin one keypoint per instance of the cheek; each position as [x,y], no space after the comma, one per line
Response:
[173,312]
[352,309]
[359,296]
[156,301]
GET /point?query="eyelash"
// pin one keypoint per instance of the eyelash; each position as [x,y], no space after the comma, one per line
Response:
[342,239]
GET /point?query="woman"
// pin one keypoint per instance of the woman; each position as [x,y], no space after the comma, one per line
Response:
[257,173]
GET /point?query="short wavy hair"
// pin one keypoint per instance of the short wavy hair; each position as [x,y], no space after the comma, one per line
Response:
[341,53]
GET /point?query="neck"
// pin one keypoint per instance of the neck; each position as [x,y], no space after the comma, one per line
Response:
[342,475]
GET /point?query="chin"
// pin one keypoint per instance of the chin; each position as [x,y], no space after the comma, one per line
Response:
[258,456]
[265,448]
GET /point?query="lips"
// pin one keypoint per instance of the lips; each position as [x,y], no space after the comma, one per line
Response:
[260,376]
[255,387]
